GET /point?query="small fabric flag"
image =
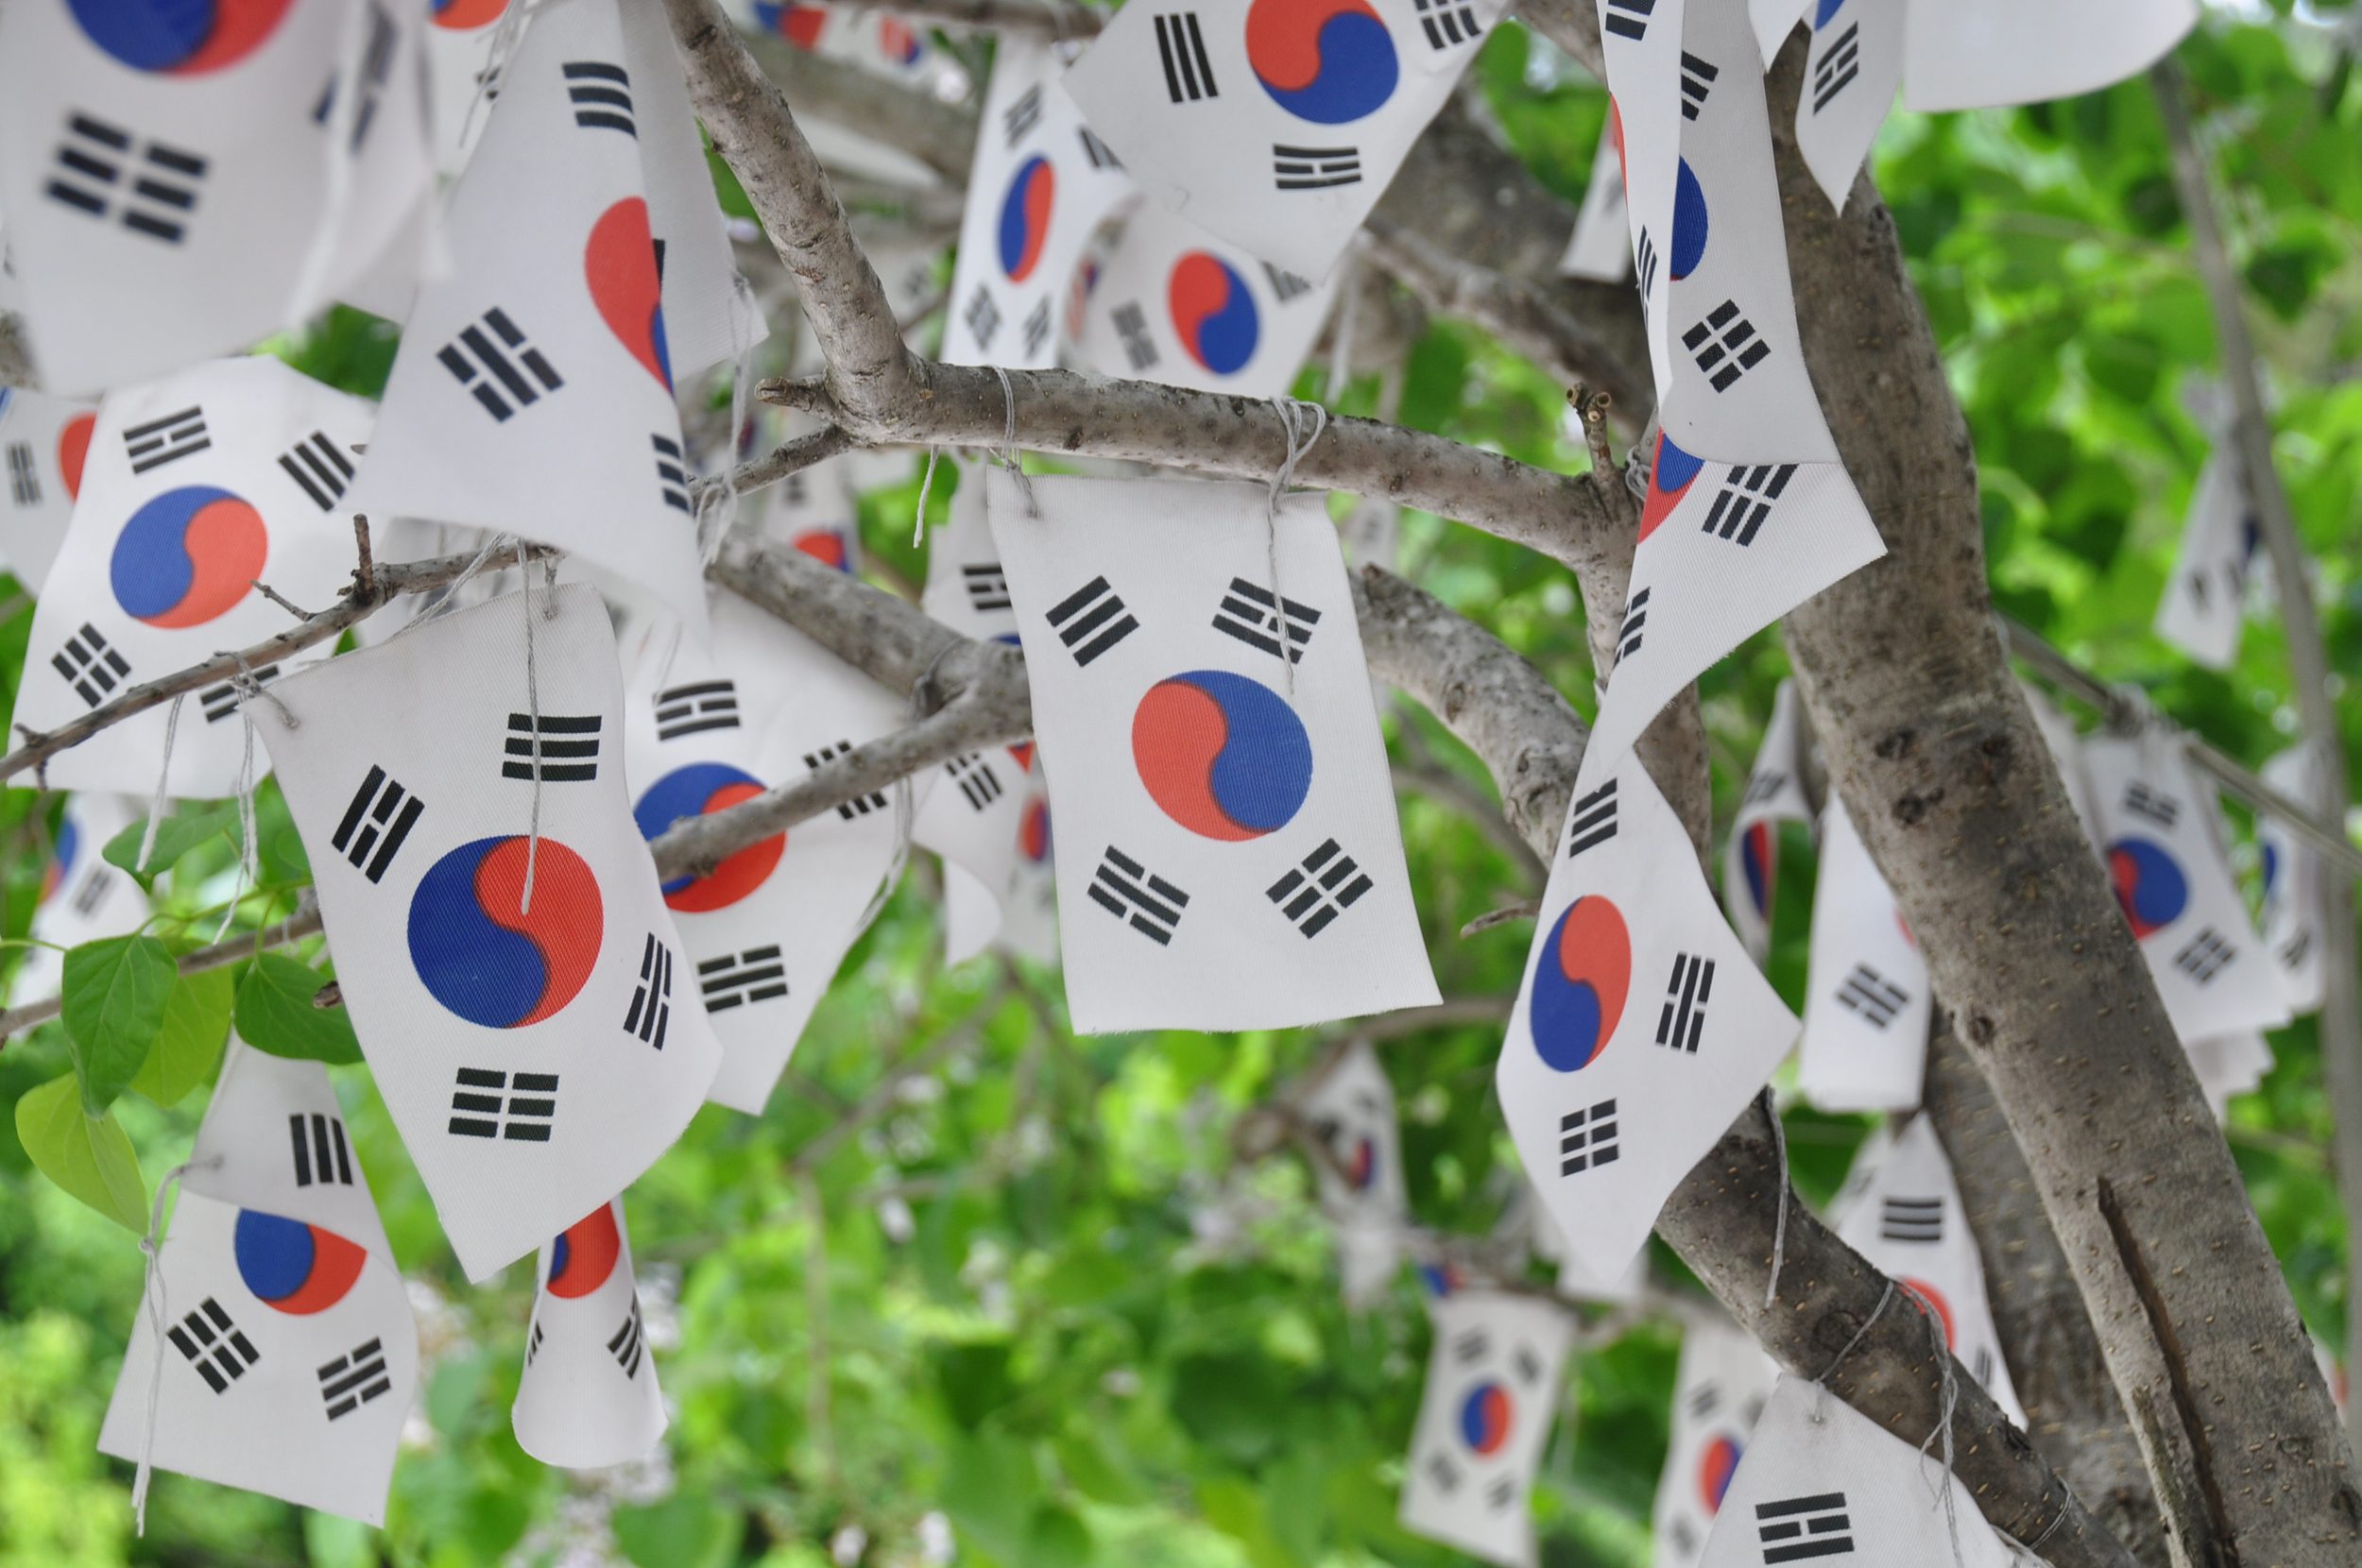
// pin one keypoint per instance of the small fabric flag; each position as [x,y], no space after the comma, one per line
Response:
[83,896]
[2204,606]
[1855,65]
[1493,1386]
[1351,1112]
[2173,879]
[879,41]
[814,510]
[2067,753]
[43,441]
[1231,857]
[1036,192]
[2230,1065]
[1608,1120]
[1773,21]
[1868,1001]
[1028,912]
[182,182]
[1174,305]
[2031,51]
[462,80]
[2295,883]
[1775,793]
[537,1054]
[588,1397]
[1720,1388]
[1600,246]
[1273,123]
[194,488]
[1576,1282]
[709,727]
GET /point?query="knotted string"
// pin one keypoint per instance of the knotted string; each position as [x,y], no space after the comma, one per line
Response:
[1779,1225]
[717,505]
[450,595]
[163,774]
[1301,424]
[1830,1371]
[1008,442]
[1944,1430]
[158,1315]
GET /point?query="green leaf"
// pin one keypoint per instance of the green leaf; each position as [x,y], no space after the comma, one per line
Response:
[275,1012]
[685,1531]
[175,837]
[89,1156]
[116,992]
[197,1023]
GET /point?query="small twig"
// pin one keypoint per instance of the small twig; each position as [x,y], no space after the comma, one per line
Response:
[1525,908]
[281,600]
[364,575]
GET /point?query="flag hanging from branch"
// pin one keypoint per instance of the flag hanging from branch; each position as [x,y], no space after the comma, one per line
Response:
[1351,1112]
[1868,1000]
[2295,883]
[462,80]
[2204,608]
[588,1396]
[82,897]
[1493,1385]
[2230,1065]
[1720,1388]
[1774,794]
[43,443]
[1601,247]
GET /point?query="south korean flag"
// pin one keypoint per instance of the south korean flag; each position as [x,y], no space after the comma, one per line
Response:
[2230,1065]
[194,488]
[43,442]
[2295,883]
[1868,1000]
[181,181]
[1855,65]
[1493,1386]
[1720,1388]
[83,896]
[463,78]
[1174,305]
[1276,124]
[1229,856]
[537,1054]
[1600,246]
[707,728]
[815,511]
[588,1397]
[1775,793]
[290,1358]
[2165,856]
[1029,915]
[1641,1027]
[1351,1112]
[1822,1480]
[2204,608]
[1036,192]
[2001,52]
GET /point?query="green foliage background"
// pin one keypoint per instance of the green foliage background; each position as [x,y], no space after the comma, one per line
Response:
[1042,1298]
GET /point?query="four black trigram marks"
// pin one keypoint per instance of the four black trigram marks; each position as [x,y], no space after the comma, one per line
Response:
[1793,1529]
[1091,620]
[1146,902]
[1878,999]
[1318,889]
[1588,1139]
[375,824]
[693,708]
[105,171]
[514,1107]
[1181,46]
[651,1011]
[1684,1018]
[214,1345]
[1593,820]
[557,748]
[354,1378]
[92,665]
[601,95]
[502,371]
[1261,619]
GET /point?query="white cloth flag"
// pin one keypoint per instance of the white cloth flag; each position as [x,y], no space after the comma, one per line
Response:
[1600,246]
[2027,51]
[589,1396]
[533,391]
[195,488]
[1351,1111]
[460,80]
[1820,1479]
[2174,882]
[290,1356]
[815,511]
[82,897]
[1867,997]
[1641,1027]
[1773,21]
[183,180]
[1775,793]
[1273,123]
[1855,65]
[2230,1065]
[1493,1387]
[2295,883]
[1575,1281]
[1174,305]
[43,441]
[1232,857]
[1029,913]
[1719,1392]
[537,1056]
[707,728]
[1038,187]
[2204,608]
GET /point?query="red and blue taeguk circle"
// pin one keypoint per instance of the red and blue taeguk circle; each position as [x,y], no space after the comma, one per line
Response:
[465,15]
[900,41]
[61,859]
[799,25]
[584,1254]
[693,791]
[1329,62]
[1026,217]
[1222,754]
[1362,1170]
[1717,1463]
[1669,478]
[826,545]
[1213,313]
[619,265]
[2149,883]
[1759,862]
[73,448]
[179,37]
[188,556]
[292,1267]
[1486,1414]
[486,957]
[1580,985]
[1689,223]
[1033,832]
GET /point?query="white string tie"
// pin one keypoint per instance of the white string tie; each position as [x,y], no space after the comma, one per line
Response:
[717,503]
[1008,442]
[1301,424]
[158,1315]
[163,774]
[1779,1225]
[925,483]
[450,596]
[1944,1430]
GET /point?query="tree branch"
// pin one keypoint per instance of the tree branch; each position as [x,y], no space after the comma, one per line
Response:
[940,135]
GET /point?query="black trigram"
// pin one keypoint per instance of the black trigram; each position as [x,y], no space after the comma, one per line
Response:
[1253,615]
[1447,23]
[1131,324]
[1869,993]
[1036,327]
[671,479]
[1745,500]
[1795,1528]
[2291,952]
[1627,18]
[987,586]
[651,1010]
[696,707]
[1697,81]
[1149,904]
[626,1343]
[564,747]
[978,783]
[217,1346]
[860,806]
[354,1378]
[756,975]
[92,892]
[1587,1137]
[1635,621]
[1326,884]
[159,441]
[1021,116]
[1763,786]
[1914,1219]
[1284,285]
[91,665]
[484,368]
[601,95]
[1684,1018]
[1593,820]
[1644,262]
[2204,956]
[1704,1400]
[1091,620]
[97,173]
[1838,68]
[1188,75]
[1314,168]
[320,468]
[24,476]
[480,1110]
[377,67]
[1684,1536]
[2157,806]
[221,702]
[317,1143]
[1725,345]
[983,316]
[1102,155]
[533,1344]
